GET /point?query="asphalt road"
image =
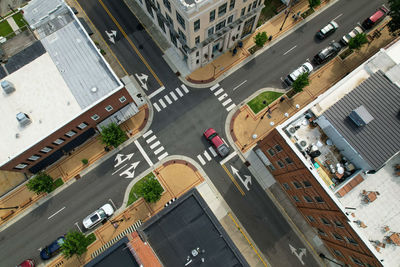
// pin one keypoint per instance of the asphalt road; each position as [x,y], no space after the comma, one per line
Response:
[179,127]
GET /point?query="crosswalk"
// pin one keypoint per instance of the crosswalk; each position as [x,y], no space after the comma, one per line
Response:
[155,145]
[205,156]
[222,97]
[170,98]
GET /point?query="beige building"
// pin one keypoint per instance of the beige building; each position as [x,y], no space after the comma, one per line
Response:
[201,30]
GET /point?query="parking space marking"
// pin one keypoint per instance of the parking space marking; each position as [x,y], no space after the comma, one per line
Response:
[208,157]
[227,102]
[151,139]
[159,150]
[143,153]
[168,99]
[149,132]
[155,145]
[157,107]
[230,107]
[173,95]
[222,96]
[77,225]
[185,88]
[212,151]
[218,92]
[56,213]
[163,156]
[214,87]
[179,92]
[201,160]
[162,103]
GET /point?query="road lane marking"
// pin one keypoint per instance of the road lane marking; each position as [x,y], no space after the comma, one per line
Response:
[173,95]
[222,97]
[233,180]
[157,107]
[201,160]
[118,169]
[179,92]
[130,42]
[338,16]
[222,162]
[239,85]
[290,50]
[227,102]
[168,99]
[214,87]
[159,150]
[218,92]
[56,213]
[149,132]
[206,155]
[143,153]
[154,145]
[156,92]
[151,139]
[163,156]
[185,88]
[212,151]
[230,107]
[162,103]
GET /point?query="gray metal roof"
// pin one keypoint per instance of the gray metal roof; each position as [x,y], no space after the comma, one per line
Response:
[38,11]
[379,140]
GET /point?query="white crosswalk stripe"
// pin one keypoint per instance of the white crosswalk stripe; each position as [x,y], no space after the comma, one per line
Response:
[162,103]
[214,87]
[173,95]
[154,145]
[212,151]
[185,88]
[208,157]
[157,107]
[222,96]
[163,156]
[159,150]
[151,139]
[179,92]
[149,132]
[201,160]
[168,99]
[230,107]
[227,102]
[219,91]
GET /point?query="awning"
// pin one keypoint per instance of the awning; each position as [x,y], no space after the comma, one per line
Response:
[120,116]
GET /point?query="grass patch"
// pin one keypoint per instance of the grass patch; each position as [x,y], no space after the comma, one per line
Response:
[19,20]
[291,93]
[256,104]
[91,238]
[57,183]
[307,13]
[346,53]
[134,195]
[5,28]
[272,7]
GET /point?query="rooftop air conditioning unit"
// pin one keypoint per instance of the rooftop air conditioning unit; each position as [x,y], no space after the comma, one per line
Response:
[23,119]
[8,87]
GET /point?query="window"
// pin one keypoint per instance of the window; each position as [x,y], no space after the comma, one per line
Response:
[306,183]
[197,53]
[319,199]
[357,261]
[351,241]
[280,164]
[182,35]
[296,199]
[308,199]
[286,186]
[222,10]
[254,4]
[220,25]
[70,133]
[95,117]
[82,126]
[210,31]
[158,6]
[230,19]
[310,218]
[278,148]
[21,166]
[59,141]
[197,61]
[321,232]
[339,224]
[196,25]
[271,152]
[169,19]
[232,5]
[46,149]
[271,167]
[167,4]
[109,108]
[325,221]
[197,41]
[338,253]
[243,11]
[161,22]
[122,99]
[180,20]
[212,15]
[337,236]
[248,10]
[34,157]
[288,160]
[296,184]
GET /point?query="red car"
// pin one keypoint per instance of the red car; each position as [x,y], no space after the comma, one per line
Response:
[212,137]
[27,263]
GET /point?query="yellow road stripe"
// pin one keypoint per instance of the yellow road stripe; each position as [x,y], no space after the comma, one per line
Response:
[240,229]
[131,43]
[112,53]
[233,180]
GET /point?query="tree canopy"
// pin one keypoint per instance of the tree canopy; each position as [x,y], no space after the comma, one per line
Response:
[260,39]
[394,24]
[314,3]
[40,183]
[358,41]
[75,243]
[150,190]
[112,135]
[301,82]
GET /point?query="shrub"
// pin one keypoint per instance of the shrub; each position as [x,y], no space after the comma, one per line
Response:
[260,39]
[41,182]
[150,190]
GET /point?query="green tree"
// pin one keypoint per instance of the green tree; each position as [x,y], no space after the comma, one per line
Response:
[112,135]
[41,182]
[75,243]
[260,39]
[394,23]
[358,41]
[301,82]
[150,190]
[314,3]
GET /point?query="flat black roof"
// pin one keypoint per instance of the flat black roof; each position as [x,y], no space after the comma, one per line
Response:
[188,227]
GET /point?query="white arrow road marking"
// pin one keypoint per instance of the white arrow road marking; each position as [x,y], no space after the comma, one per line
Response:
[143,80]
[56,213]
[246,181]
[111,35]
[300,255]
[130,174]
[119,159]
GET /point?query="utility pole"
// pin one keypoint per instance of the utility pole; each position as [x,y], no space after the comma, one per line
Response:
[289,7]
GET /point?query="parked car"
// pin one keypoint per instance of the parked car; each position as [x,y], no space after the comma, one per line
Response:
[306,67]
[27,263]
[357,30]
[52,249]
[98,216]
[327,53]
[327,30]
[375,18]
[211,135]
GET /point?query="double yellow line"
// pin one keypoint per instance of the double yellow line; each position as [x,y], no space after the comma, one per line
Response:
[131,43]
[233,180]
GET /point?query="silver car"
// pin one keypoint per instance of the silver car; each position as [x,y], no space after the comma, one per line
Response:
[98,216]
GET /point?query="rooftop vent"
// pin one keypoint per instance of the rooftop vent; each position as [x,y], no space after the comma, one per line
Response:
[360,116]
[7,86]
[23,119]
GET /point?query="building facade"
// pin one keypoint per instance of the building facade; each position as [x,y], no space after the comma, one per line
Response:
[201,30]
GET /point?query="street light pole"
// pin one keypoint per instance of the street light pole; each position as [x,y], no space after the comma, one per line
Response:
[322,256]
[9,208]
[287,14]
[268,110]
